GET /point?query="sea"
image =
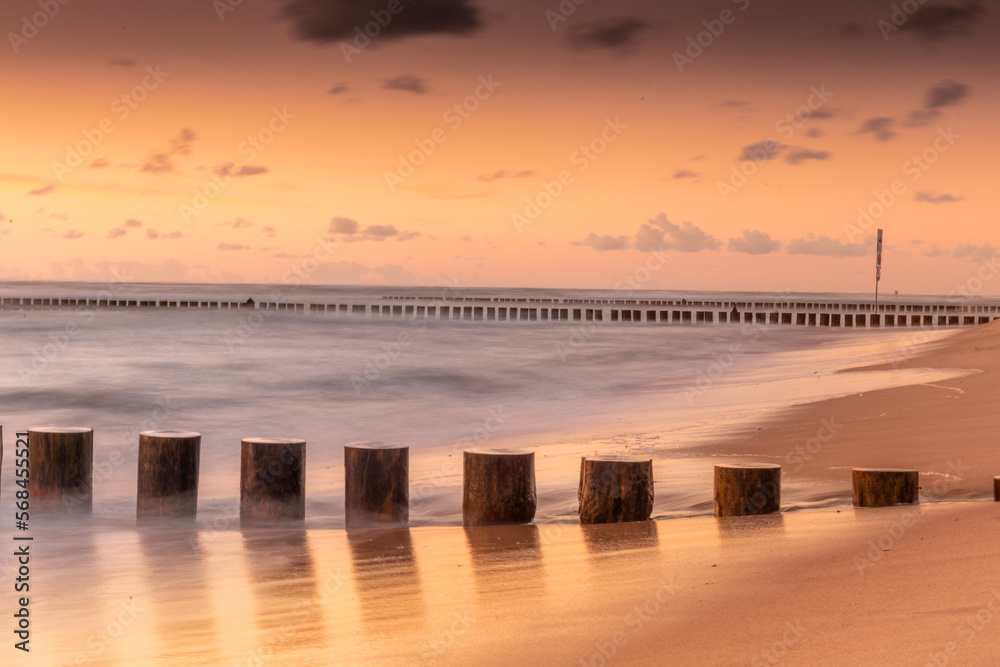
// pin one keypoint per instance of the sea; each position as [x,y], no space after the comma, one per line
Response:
[562,389]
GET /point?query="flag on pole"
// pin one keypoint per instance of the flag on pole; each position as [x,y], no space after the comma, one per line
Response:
[878,257]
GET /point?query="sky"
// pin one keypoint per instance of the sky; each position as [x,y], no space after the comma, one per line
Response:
[725,145]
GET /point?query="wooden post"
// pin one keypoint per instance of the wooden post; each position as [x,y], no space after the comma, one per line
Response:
[615,488]
[498,486]
[167,483]
[881,487]
[376,484]
[996,488]
[272,480]
[742,489]
[61,461]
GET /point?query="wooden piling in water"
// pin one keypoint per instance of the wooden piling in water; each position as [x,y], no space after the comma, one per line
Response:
[882,487]
[61,461]
[272,480]
[167,484]
[498,486]
[996,488]
[376,484]
[614,489]
[743,489]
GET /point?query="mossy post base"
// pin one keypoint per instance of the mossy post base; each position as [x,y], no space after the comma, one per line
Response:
[743,489]
[61,461]
[882,487]
[272,480]
[376,484]
[168,474]
[615,489]
[498,487]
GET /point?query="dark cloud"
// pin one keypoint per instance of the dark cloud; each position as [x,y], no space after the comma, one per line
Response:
[408,84]
[767,149]
[814,132]
[351,232]
[506,173]
[115,233]
[240,223]
[339,225]
[661,234]
[229,247]
[123,62]
[73,234]
[604,242]
[230,169]
[685,173]
[162,162]
[824,113]
[941,95]
[268,231]
[824,246]
[172,235]
[339,88]
[932,198]
[799,155]
[619,34]
[132,222]
[99,163]
[754,242]
[937,21]
[734,103]
[965,251]
[325,21]
[41,192]
[152,233]
[880,126]
[946,93]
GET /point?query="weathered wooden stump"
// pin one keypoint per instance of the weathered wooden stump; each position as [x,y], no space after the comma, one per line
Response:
[376,484]
[615,489]
[743,489]
[881,487]
[168,474]
[272,480]
[498,486]
[61,461]
[996,485]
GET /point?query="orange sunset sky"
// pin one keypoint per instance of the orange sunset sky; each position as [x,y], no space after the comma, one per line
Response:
[195,141]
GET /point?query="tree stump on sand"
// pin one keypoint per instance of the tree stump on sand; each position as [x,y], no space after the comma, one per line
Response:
[61,461]
[882,487]
[376,484]
[743,489]
[498,486]
[996,487]
[615,489]
[168,474]
[272,480]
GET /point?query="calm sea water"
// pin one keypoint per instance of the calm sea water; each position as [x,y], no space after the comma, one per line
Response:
[563,389]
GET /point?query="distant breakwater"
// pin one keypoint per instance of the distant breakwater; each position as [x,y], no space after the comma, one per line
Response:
[524,309]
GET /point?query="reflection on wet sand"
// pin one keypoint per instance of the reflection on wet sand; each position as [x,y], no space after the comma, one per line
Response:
[283,579]
[625,536]
[386,578]
[753,526]
[179,595]
[506,557]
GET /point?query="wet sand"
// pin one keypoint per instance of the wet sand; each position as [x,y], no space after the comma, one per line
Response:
[818,584]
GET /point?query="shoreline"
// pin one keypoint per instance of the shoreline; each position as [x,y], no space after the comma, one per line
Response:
[817,585]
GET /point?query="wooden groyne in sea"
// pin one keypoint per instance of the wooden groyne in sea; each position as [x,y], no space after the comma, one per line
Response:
[835,314]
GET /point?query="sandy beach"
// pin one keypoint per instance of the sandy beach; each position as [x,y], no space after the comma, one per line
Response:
[821,583]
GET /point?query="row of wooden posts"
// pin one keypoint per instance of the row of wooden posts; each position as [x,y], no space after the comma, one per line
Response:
[498,484]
